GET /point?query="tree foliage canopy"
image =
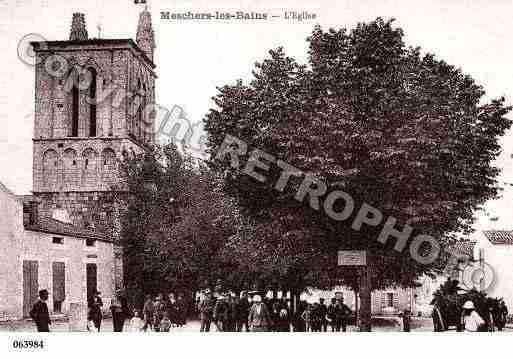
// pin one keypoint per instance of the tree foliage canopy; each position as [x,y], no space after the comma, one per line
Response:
[175,224]
[404,132]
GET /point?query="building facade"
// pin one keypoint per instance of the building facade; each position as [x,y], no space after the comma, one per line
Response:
[45,253]
[495,250]
[93,107]
[384,302]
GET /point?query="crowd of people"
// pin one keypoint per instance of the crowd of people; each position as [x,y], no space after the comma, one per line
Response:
[224,312]
[228,312]
[158,314]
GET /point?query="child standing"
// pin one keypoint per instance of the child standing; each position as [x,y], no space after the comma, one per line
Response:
[165,323]
[137,324]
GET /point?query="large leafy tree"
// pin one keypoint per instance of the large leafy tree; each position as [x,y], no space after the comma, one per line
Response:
[404,132]
[174,224]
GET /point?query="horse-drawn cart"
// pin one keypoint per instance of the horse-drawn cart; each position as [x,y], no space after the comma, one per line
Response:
[447,304]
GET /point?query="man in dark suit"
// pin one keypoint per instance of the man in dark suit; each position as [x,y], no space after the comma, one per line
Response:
[40,314]
[221,313]
[242,311]
[206,310]
[343,315]
[95,310]
[323,312]
[333,316]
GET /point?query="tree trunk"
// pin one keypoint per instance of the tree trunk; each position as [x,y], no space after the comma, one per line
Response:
[356,312]
[294,298]
[365,297]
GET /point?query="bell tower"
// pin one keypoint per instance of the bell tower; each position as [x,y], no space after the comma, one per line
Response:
[78,28]
[145,38]
[93,106]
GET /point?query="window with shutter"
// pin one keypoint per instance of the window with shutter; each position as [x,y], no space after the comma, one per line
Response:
[91,280]
[59,285]
[30,285]
[389,299]
[383,300]
[395,300]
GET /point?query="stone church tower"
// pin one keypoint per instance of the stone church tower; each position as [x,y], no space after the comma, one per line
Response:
[93,106]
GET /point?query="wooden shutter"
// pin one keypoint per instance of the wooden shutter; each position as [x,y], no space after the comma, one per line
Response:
[30,285]
[59,281]
[395,300]
[383,301]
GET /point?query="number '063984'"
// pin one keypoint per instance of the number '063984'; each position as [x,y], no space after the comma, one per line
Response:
[28,344]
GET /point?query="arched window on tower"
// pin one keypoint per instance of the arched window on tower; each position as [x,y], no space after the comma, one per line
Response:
[139,104]
[144,128]
[73,76]
[70,168]
[92,104]
[109,166]
[90,167]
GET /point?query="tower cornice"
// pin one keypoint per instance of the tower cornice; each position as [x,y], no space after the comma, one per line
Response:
[90,44]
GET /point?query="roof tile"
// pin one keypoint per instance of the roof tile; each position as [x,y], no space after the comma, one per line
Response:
[50,225]
[499,237]
[464,247]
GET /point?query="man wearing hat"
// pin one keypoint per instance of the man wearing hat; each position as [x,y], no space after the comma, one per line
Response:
[40,314]
[323,312]
[119,310]
[95,310]
[242,311]
[206,309]
[471,320]
[221,313]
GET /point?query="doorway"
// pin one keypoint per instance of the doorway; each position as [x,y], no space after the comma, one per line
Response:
[91,280]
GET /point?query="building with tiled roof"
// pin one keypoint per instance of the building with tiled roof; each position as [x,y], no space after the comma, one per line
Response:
[499,237]
[47,253]
[494,249]
[54,226]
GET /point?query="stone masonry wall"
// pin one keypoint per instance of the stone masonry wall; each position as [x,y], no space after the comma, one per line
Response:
[77,173]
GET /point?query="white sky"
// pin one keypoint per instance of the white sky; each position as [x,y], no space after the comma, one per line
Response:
[193,57]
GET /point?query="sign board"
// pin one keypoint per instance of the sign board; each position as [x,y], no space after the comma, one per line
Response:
[352,258]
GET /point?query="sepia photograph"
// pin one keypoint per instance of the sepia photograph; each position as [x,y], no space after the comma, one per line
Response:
[317,168]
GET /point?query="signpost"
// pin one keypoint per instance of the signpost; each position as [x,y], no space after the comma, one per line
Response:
[359,260]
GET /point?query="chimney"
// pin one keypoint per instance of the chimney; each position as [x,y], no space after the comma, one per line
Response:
[78,28]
